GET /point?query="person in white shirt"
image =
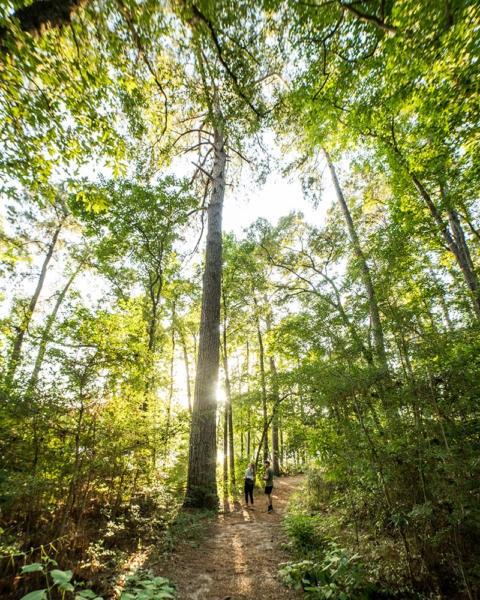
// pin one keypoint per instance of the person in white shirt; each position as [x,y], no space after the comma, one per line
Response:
[249,483]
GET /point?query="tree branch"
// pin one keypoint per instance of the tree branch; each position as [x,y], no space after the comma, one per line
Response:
[366,18]
[42,15]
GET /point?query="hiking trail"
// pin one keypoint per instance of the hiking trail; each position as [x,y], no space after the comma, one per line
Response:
[239,554]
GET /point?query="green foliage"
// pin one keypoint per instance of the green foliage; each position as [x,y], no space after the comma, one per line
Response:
[56,580]
[323,568]
[336,576]
[328,571]
[303,531]
[144,585]
[96,112]
[188,526]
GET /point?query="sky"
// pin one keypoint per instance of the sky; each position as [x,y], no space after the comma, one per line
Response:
[276,198]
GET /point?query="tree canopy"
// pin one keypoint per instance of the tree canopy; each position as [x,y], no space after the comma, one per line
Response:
[148,354]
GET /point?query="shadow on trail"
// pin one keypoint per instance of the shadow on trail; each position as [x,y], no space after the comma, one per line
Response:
[238,554]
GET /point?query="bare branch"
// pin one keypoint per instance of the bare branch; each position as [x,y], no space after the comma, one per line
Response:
[197,12]
[366,18]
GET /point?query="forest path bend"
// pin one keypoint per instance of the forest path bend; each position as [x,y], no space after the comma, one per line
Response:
[239,555]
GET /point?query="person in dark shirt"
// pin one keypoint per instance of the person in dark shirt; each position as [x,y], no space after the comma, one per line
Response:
[268,478]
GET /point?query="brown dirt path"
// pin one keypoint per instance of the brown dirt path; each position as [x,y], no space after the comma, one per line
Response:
[239,555]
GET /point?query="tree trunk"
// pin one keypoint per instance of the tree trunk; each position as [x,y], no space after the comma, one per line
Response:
[464,258]
[201,483]
[249,421]
[154,291]
[187,370]
[276,400]
[261,358]
[42,348]
[228,394]
[442,300]
[282,447]
[225,448]
[454,239]
[155,286]
[364,268]
[171,387]
[22,330]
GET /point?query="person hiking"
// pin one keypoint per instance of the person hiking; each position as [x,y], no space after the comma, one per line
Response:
[249,483]
[268,478]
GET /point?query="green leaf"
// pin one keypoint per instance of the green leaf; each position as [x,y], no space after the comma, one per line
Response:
[32,568]
[35,595]
[61,578]
[86,594]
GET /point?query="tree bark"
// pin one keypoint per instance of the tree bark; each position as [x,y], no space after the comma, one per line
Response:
[263,384]
[454,238]
[364,268]
[465,259]
[276,400]
[16,353]
[228,394]
[172,379]
[456,243]
[42,348]
[187,369]
[249,421]
[225,448]
[201,483]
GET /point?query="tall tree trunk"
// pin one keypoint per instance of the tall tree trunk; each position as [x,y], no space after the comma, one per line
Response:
[201,483]
[249,421]
[240,397]
[42,347]
[16,353]
[276,400]
[225,448]
[263,383]
[442,300]
[154,291]
[454,238]
[172,379]
[187,369]
[464,258]
[155,286]
[364,268]
[282,447]
[228,394]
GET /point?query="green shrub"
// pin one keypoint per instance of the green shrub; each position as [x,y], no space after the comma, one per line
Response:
[303,532]
[55,581]
[144,585]
[332,575]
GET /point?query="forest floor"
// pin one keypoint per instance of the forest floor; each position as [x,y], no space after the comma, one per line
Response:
[239,553]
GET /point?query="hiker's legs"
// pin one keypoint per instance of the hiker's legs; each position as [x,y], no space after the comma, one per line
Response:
[268,494]
[248,491]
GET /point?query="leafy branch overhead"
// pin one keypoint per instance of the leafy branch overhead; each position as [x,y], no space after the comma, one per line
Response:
[235,233]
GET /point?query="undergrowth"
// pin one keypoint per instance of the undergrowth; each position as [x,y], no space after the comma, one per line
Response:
[332,559]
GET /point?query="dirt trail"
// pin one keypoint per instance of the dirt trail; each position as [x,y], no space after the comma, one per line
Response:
[238,557]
